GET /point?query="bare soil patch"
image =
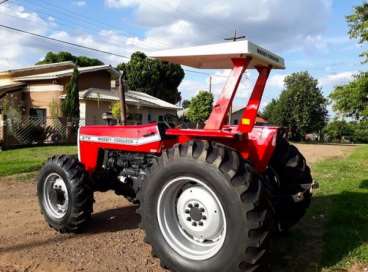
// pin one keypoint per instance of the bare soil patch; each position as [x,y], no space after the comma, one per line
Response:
[112,241]
[314,153]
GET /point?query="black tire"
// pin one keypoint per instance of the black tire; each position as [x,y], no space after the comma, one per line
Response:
[238,188]
[290,169]
[78,189]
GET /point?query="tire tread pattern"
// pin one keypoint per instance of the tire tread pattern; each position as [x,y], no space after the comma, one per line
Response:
[244,180]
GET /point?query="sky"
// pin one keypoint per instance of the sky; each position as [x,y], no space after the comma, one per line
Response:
[311,35]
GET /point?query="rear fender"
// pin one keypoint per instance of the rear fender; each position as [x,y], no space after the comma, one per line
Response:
[261,145]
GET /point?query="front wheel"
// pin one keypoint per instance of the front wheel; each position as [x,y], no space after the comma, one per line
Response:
[203,209]
[65,194]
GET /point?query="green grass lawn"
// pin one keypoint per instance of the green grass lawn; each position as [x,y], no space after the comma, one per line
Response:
[343,200]
[334,234]
[25,160]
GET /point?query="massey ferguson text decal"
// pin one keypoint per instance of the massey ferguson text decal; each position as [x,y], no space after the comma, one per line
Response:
[120,140]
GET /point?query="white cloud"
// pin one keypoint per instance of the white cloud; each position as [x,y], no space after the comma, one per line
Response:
[79,3]
[16,47]
[278,24]
[330,81]
[276,81]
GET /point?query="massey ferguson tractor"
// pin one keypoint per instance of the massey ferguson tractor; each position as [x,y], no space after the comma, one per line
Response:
[209,199]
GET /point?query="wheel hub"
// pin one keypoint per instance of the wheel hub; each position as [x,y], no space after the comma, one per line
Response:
[55,196]
[199,214]
[196,227]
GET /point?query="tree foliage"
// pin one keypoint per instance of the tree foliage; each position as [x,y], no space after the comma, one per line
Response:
[351,100]
[70,105]
[301,106]
[358,26]
[81,61]
[156,78]
[200,107]
[339,130]
[336,130]
[185,104]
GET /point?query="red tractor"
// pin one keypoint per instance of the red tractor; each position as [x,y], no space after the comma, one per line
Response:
[209,199]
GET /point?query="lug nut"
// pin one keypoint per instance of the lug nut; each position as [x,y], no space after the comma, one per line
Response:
[194,224]
[200,223]
[189,219]
[202,209]
[204,217]
[187,211]
[190,205]
[196,205]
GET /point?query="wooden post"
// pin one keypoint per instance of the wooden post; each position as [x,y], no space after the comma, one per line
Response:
[2,132]
[122,90]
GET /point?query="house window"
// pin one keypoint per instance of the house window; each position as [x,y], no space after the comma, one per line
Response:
[160,118]
[38,114]
[135,118]
[149,118]
[235,122]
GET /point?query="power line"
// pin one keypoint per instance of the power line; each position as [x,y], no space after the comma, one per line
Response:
[90,22]
[61,41]
[88,48]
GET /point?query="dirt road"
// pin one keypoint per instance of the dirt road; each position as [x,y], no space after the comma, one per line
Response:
[112,241]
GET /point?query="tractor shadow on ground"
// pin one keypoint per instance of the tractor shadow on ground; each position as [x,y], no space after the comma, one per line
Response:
[333,228]
[113,220]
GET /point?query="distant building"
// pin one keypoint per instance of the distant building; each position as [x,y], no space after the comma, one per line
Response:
[237,114]
[37,90]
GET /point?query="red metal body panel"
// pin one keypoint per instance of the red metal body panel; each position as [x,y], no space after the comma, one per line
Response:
[250,113]
[142,138]
[255,144]
[222,106]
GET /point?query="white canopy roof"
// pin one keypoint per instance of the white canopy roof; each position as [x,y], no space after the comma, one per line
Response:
[218,56]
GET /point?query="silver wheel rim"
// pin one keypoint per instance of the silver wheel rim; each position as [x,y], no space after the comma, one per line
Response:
[55,195]
[191,218]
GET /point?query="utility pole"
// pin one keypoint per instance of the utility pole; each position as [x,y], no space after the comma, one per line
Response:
[210,85]
[235,37]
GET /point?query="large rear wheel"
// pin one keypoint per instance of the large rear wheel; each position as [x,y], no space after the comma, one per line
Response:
[203,209]
[291,182]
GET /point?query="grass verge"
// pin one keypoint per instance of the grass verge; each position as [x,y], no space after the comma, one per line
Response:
[26,160]
[333,236]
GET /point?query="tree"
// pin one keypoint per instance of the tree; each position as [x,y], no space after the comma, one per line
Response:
[70,105]
[116,110]
[358,26]
[185,104]
[200,107]
[301,106]
[351,100]
[270,112]
[337,129]
[360,134]
[81,61]
[156,78]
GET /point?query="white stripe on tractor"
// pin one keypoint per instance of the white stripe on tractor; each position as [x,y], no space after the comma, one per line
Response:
[120,140]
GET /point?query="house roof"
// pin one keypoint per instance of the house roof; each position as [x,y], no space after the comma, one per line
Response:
[9,87]
[259,118]
[40,67]
[131,98]
[66,73]
[220,55]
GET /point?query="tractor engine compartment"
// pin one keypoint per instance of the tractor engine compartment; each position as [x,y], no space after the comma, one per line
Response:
[121,171]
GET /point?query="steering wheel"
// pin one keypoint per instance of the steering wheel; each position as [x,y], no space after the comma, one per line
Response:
[171,121]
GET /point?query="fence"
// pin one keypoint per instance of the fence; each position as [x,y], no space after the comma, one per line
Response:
[28,131]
